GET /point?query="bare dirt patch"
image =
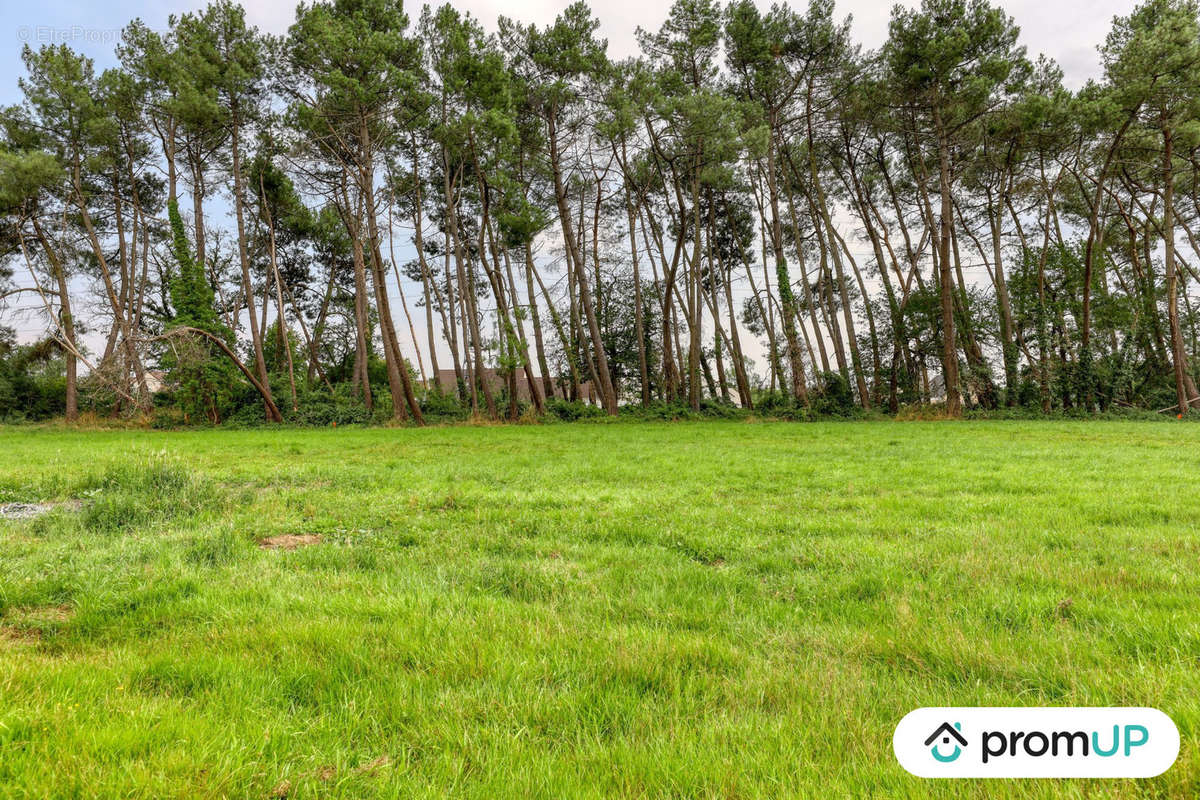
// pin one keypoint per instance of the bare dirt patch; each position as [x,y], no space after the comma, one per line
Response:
[13,634]
[32,623]
[289,541]
[40,614]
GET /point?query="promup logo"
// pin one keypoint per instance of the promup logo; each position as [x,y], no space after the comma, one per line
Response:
[947,732]
[1036,742]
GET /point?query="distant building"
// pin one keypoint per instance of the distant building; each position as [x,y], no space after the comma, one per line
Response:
[156,380]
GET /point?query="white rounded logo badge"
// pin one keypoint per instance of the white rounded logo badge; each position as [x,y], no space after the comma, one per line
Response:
[1004,742]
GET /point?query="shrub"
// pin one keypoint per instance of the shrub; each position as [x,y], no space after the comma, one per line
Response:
[836,398]
[570,411]
[440,407]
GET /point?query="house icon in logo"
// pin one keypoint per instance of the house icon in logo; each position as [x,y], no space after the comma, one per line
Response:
[946,732]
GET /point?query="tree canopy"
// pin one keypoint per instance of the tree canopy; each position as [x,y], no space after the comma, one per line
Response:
[395,217]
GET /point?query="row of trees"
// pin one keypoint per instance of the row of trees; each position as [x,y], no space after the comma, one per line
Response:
[936,221]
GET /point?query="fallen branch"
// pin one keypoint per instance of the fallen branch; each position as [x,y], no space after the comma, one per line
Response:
[273,414]
[62,339]
[1172,408]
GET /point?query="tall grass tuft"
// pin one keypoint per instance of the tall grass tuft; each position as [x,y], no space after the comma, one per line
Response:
[150,490]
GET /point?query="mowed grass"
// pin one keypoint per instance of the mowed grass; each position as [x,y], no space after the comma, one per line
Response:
[675,610]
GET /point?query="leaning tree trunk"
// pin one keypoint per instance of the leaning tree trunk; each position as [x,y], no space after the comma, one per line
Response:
[260,362]
[638,325]
[398,379]
[419,243]
[1185,389]
[283,333]
[1008,345]
[607,393]
[362,377]
[538,342]
[114,301]
[783,282]
[946,279]
[66,320]
[272,410]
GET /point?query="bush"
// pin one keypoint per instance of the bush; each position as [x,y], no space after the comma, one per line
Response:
[442,407]
[670,412]
[570,411]
[918,412]
[33,380]
[836,398]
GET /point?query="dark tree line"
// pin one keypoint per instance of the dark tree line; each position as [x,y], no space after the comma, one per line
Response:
[754,211]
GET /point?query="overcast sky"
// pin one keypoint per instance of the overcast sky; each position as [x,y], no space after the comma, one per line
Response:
[1066,30]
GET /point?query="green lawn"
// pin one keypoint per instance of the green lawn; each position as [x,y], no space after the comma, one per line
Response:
[682,610]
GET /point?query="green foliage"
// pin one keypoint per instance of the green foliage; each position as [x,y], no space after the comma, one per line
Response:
[319,408]
[32,382]
[952,57]
[568,411]
[664,412]
[24,175]
[277,341]
[442,407]
[1151,58]
[191,295]
[156,490]
[356,54]
[202,376]
[836,398]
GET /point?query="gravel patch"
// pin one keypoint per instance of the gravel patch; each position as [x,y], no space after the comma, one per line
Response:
[23,510]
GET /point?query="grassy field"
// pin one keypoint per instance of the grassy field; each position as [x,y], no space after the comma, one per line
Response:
[675,610]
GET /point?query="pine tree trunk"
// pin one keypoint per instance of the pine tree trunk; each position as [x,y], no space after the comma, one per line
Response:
[1185,391]
[585,296]
[945,278]
[260,363]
